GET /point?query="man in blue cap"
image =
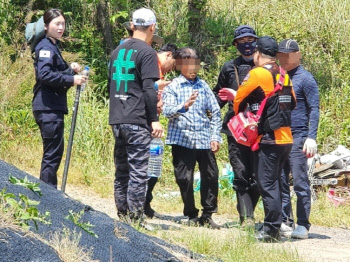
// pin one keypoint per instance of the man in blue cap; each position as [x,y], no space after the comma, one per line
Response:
[241,157]
[305,118]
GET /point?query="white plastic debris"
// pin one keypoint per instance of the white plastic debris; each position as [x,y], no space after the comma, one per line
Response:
[340,157]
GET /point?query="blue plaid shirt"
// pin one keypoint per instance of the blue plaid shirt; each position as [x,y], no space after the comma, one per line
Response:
[191,128]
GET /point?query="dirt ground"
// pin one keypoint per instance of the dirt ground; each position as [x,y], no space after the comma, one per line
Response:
[324,244]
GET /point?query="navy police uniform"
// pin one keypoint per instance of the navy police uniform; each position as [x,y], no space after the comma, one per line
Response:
[53,78]
[241,157]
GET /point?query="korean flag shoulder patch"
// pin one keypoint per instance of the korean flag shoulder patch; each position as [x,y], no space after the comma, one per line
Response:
[44,53]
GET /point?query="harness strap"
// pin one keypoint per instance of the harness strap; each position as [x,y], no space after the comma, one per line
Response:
[278,86]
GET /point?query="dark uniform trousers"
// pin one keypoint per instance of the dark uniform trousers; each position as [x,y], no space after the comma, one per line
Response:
[184,161]
[150,186]
[131,154]
[269,161]
[51,124]
[297,164]
[244,183]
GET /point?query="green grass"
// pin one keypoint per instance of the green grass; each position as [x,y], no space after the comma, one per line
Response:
[227,245]
[325,213]
[320,26]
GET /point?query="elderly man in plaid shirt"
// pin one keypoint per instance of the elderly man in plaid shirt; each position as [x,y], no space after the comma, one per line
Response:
[194,134]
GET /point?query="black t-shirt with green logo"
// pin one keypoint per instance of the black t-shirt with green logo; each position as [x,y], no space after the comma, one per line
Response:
[131,101]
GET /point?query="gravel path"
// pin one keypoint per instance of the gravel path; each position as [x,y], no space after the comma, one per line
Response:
[324,244]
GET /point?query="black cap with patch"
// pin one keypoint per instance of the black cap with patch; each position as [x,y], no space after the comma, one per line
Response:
[267,45]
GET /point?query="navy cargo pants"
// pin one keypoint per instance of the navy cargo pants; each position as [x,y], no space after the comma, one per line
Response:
[297,164]
[51,124]
[269,161]
[131,154]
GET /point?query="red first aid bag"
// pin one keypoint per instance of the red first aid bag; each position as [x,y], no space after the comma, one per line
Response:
[244,126]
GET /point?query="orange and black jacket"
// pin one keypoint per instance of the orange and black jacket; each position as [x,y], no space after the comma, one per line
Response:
[275,122]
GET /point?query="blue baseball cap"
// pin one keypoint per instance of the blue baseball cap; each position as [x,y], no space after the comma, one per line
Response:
[243,31]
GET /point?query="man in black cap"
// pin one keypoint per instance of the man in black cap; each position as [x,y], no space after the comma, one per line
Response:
[275,136]
[241,157]
[305,119]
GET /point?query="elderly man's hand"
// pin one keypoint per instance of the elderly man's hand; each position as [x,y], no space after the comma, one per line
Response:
[310,147]
[191,100]
[215,146]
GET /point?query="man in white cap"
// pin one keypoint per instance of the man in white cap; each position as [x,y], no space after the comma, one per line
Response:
[133,70]
[156,39]
[305,119]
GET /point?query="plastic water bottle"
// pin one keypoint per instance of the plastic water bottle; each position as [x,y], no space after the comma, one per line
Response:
[85,72]
[155,158]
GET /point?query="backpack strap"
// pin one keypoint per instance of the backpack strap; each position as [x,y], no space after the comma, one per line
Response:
[278,86]
[236,73]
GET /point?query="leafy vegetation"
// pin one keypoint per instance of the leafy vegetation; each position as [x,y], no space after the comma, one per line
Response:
[27,184]
[75,218]
[22,211]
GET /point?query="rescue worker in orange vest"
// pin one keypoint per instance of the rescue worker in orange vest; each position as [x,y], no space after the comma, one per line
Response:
[275,136]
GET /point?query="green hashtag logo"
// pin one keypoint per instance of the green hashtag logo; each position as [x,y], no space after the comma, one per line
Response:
[119,64]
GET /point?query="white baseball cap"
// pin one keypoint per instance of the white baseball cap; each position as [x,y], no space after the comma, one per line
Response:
[143,17]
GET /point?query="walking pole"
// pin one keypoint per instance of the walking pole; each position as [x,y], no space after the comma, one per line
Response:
[71,134]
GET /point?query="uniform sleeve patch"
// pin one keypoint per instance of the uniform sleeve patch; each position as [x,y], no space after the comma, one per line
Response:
[45,53]
[246,77]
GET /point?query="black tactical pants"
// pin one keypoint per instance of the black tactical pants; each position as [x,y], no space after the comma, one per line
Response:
[244,183]
[184,161]
[131,154]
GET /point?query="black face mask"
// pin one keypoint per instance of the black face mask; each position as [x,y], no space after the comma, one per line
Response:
[247,48]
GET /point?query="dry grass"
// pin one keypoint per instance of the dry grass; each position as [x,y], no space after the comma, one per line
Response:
[120,232]
[66,244]
[7,220]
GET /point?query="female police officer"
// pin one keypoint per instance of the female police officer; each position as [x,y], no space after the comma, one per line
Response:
[53,79]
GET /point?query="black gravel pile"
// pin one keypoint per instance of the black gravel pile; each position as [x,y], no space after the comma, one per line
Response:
[125,245]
